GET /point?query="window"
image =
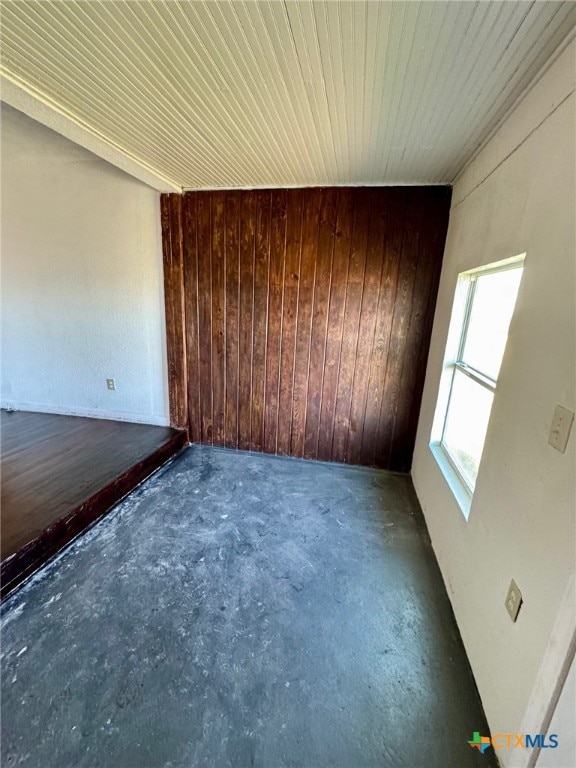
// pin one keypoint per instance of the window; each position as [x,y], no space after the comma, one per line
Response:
[481,315]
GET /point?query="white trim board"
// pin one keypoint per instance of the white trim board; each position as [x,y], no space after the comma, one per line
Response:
[31,102]
[552,673]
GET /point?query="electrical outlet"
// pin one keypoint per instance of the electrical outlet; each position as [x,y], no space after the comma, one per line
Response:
[560,428]
[513,600]
[110,383]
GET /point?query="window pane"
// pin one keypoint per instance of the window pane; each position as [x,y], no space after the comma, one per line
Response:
[466,424]
[492,308]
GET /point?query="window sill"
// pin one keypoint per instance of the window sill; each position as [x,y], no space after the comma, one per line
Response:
[459,489]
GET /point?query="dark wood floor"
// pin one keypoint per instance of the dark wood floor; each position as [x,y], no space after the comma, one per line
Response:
[60,473]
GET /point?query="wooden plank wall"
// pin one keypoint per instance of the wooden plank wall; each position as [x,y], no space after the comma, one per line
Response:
[307,316]
[174,298]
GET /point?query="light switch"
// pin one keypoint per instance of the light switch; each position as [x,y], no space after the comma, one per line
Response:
[560,429]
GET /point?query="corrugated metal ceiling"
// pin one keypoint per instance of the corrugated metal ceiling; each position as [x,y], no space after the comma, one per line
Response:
[271,94]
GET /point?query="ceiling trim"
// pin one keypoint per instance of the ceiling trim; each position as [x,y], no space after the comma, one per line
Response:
[36,105]
[323,185]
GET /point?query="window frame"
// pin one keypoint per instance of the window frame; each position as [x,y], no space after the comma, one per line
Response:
[454,361]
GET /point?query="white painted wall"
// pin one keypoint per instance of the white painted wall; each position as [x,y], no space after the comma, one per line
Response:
[564,724]
[517,196]
[82,295]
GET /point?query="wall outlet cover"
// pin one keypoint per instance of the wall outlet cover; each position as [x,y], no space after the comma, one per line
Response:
[111,384]
[513,600]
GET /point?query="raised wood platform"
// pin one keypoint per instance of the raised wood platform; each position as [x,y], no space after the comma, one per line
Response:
[61,473]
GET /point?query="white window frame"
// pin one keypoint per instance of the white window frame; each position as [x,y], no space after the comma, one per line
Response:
[453,361]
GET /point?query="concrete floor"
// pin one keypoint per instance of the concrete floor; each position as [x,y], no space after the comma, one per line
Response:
[242,610]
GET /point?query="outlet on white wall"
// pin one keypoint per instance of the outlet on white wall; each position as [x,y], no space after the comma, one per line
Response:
[57,256]
[111,384]
[560,428]
[513,600]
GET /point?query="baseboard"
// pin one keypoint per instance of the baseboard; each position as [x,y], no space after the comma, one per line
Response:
[91,413]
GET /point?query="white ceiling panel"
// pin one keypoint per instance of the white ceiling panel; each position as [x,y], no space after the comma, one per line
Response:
[269,94]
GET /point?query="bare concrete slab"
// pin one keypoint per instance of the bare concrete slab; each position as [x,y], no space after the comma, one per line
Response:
[242,610]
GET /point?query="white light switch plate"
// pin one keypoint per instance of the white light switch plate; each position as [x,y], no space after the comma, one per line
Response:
[560,429]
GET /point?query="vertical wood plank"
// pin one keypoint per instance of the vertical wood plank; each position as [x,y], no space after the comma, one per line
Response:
[322,284]
[310,220]
[378,205]
[392,248]
[289,317]
[261,270]
[275,318]
[232,252]
[432,234]
[217,224]
[246,319]
[341,260]
[204,230]
[191,314]
[173,258]
[400,326]
[351,322]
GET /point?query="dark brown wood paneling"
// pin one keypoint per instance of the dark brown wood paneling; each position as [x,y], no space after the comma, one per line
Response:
[323,281]
[352,308]
[232,254]
[260,318]
[379,204]
[288,320]
[246,320]
[400,339]
[308,317]
[190,255]
[275,313]
[395,208]
[173,256]
[335,329]
[306,283]
[203,244]
[218,270]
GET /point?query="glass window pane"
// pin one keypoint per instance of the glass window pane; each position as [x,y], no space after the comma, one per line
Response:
[466,424]
[492,307]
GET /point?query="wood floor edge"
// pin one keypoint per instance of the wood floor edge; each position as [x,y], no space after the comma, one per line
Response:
[16,569]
